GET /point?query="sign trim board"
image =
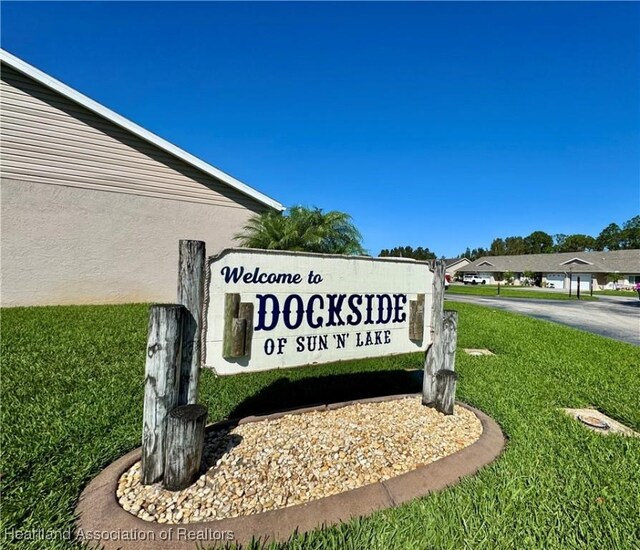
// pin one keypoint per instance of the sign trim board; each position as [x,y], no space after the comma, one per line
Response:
[269,309]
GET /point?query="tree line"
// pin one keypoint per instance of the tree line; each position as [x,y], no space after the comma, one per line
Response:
[612,237]
[407,252]
[313,230]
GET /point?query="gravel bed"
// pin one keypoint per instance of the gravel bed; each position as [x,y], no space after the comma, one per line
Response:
[272,464]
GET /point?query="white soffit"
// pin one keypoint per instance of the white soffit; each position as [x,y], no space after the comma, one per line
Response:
[88,103]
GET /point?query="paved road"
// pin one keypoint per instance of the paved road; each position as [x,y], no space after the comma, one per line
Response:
[614,317]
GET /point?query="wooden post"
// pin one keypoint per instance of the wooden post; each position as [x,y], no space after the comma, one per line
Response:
[238,333]
[434,356]
[245,312]
[445,391]
[184,446]
[238,327]
[231,311]
[578,289]
[191,275]
[450,339]
[416,318]
[162,375]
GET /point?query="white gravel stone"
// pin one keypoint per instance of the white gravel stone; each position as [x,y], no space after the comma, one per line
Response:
[297,458]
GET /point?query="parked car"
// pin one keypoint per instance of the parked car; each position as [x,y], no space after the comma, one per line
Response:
[473,279]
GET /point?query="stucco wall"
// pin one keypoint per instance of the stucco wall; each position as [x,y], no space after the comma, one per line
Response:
[66,245]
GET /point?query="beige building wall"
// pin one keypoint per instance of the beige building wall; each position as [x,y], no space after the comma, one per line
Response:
[63,245]
[90,213]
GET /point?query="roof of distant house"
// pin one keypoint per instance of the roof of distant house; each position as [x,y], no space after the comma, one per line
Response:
[622,261]
[451,261]
[68,92]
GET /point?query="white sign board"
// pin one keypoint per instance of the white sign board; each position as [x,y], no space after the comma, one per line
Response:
[305,309]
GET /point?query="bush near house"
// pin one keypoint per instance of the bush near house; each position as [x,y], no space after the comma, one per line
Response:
[509,277]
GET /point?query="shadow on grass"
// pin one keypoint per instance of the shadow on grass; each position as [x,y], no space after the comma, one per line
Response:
[284,394]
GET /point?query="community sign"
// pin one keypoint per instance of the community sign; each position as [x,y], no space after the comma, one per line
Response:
[272,309]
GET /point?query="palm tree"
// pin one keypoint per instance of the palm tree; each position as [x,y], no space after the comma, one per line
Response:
[302,229]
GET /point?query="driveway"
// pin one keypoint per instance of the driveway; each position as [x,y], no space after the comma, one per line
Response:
[617,318]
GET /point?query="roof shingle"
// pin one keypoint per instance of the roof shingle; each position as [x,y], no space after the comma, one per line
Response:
[622,261]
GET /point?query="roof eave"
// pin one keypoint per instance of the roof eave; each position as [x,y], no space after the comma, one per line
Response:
[119,120]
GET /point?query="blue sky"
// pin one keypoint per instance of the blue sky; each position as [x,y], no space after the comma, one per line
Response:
[442,125]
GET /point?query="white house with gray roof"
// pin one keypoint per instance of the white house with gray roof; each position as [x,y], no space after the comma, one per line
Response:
[93,205]
[614,269]
[453,265]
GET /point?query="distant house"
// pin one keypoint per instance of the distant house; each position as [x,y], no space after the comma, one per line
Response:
[453,265]
[615,269]
[93,205]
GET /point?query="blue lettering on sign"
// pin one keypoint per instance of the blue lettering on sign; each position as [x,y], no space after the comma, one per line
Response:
[317,321]
[373,338]
[355,316]
[312,343]
[316,311]
[237,274]
[288,309]
[369,298]
[335,307]
[341,339]
[379,309]
[399,301]
[385,309]
[263,299]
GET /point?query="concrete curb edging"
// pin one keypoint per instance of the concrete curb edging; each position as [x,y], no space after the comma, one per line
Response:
[101,520]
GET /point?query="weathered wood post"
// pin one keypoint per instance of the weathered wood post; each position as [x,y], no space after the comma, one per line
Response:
[233,338]
[161,381]
[184,445]
[416,318]
[450,339]
[434,356]
[191,275]
[445,391]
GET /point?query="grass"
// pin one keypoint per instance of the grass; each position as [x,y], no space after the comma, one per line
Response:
[515,292]
[72,403]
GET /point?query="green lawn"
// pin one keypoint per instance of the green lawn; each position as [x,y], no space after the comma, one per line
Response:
[515,292]
[72,403]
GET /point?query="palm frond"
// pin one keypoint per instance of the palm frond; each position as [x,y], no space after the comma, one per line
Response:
[302,229]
